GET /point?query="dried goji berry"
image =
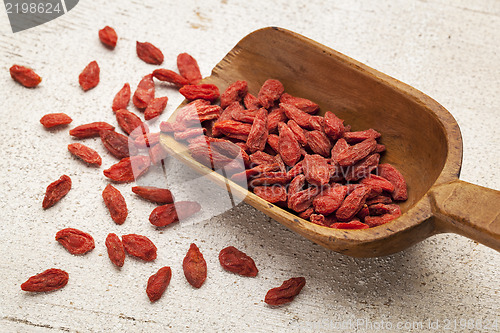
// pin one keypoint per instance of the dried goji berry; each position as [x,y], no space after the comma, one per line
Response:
[378,199]
[157,154]
[303,119]
[173,212]
[318,219]
[116,251]
[257,171]
[226,114]
[194,266]
[275,194]
[362,168]
[251,102]
[55,119]
[377,183]
[25,76]
[260,157]
[374,221]
[296,170]
[234,93]
[274,117]
[286,292]
[147,140]
[245,116]
[145,92]
[116,204]
[51,279]
[170,76]
[205,91]
[300,201]
[89,77]
[190,133]
[117,144]
[296,185]
[130,123]
[122,98]
[154,194]
[357,152]
[108,36]
[352,203]
[319,142]
[270,91]
[316,170]
[339,147]
[330,200]
[270,178]
[90,130]
[300,103]
[273,142]
[188,68]
[85,153]
[233,260]
[289,148]
[257,137]
[334,126]
[350,225]
[234,129]
[56,191]
[139,246]
[390,173]
[200,114]
[128,169]
[306,215]
[298,132]
[149,53]
[158,283]
[75,241]
[354,137]
[155,108]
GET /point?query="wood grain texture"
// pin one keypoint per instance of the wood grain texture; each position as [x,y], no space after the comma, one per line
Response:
[447,49]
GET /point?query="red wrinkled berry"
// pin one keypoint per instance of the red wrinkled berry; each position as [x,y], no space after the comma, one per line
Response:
[233,260]
[158,283]
[85,153]
[55,119]
[149,53]
[108,36]
[194,266]
[56,191]
[116,204]
[75,241]
[51,279]
[139,246]
[286,292]
[25,76]
[89,77]
[116,251]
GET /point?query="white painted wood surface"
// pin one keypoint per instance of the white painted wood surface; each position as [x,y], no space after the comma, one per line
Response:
[448,49]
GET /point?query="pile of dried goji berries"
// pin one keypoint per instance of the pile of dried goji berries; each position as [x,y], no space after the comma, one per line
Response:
[136,150]
[313,165]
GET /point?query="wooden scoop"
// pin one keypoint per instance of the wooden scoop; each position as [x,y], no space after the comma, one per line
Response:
[422,138]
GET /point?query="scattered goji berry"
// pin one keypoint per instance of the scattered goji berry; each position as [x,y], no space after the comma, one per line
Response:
[75,241]
[154,194]
[188,68]
[130,123]
[145,92]
[55,119]
[85,153]
[194,266]
[56,191]
[170,76]
[51,279]
[139,246]
[173,212]
[116,251]
[25,76]
[158,283]
[117,144]
[233,260]
[286,292]
[155,108]
[122,98]
[149,53]
[116,204]
[89,77]
[128,169]
[205,91]
[90,130]
[108,37]
[147,140]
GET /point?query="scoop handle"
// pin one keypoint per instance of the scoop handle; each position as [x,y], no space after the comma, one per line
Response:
[470,210]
